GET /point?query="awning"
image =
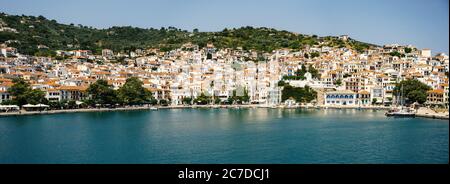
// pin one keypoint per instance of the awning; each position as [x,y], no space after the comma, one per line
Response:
[34,106]
[9,107]
[42,105]
[28,105]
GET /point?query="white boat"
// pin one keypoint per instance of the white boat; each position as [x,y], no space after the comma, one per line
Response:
[402,111]
[153,108]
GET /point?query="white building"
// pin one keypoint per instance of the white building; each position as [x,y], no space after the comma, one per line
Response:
[8,51]
[274,96]
[341,97]
[426,53]
[107,53]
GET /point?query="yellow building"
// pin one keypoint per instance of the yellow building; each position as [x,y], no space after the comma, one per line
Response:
[435,97]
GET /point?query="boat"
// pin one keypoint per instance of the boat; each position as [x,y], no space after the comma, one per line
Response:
[153,108]
[402,111]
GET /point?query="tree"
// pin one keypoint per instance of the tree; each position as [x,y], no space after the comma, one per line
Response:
[7,102]
[55,105]
[153,101]
[36,96]
[302,71]
[239,99]
[187,100]
[233,99]
[18,90]
[293,77]
[72,104]
[102,93]
[164,102]
[217,101]
[338,82]
[315,54]
[45,53]
[245,97]
[416,96]
[133,92]
[408,50]
[202,99]
[305,94]
[413,91]
[395,53]
[314,72]
[49,33]
[23,94]
[374,101]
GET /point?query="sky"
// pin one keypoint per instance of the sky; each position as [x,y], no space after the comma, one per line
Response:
[422,23]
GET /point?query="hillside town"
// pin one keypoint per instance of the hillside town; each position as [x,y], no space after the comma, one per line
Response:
[343,77]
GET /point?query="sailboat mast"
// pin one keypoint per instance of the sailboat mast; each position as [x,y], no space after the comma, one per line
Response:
[401,98]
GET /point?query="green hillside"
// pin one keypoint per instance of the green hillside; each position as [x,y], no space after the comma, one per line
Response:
[34,31]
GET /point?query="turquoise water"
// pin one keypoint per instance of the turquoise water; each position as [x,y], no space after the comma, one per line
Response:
[223,136]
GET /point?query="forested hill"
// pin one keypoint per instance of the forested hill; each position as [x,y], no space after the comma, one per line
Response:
[33,32]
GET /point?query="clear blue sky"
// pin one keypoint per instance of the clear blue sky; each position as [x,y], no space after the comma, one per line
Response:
[423,23]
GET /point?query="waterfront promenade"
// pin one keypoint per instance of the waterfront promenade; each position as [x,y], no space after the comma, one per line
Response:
[429,113]
[422,112]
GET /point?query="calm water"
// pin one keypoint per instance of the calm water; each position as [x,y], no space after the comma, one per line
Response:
[223,136]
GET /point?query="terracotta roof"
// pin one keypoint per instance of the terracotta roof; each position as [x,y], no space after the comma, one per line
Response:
[438,91]
[5,80]
[52,89]
[153,89]
[73,88]
[6,83]
[364,92]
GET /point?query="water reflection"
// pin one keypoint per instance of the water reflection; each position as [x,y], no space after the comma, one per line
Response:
[223,136]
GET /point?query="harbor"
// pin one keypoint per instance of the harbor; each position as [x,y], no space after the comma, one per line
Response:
[213,135]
